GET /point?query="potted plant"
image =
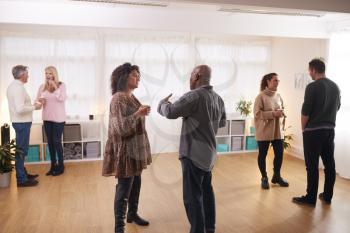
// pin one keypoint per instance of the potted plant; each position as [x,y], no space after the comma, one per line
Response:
[7,156]
[287,139]
[244,107]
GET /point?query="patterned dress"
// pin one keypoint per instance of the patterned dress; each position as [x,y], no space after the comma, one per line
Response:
[127,150]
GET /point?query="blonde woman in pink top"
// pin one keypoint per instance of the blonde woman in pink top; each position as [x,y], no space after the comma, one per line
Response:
[52,94]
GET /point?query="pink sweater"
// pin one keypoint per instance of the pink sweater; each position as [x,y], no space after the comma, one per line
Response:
[53,109]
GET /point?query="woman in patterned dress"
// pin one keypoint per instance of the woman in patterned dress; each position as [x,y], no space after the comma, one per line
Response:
[127,150]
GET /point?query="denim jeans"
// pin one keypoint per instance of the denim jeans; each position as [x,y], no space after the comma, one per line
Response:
[198,196]
[22,141]
[54,131]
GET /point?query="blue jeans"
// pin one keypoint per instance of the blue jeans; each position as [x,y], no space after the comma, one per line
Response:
[54,131]
[22,141]
[199,199]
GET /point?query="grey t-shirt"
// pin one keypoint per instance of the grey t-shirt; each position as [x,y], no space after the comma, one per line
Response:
[203,112]
[321,103]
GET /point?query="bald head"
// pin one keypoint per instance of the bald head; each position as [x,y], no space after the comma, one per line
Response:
[200,76]
[204,73]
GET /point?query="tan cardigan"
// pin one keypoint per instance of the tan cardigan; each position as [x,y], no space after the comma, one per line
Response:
[127,150]
[268,127]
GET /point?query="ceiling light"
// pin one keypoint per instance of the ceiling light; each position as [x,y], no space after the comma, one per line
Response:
[133,3]
[267,12]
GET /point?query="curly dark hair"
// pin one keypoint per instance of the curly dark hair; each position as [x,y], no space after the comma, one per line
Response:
[119,77]
[266,77]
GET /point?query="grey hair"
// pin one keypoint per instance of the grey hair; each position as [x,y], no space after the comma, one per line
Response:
[18,70]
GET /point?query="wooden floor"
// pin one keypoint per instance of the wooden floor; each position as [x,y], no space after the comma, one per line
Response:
[82,200]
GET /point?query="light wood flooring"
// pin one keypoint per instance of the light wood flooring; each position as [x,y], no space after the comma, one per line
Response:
[81,200]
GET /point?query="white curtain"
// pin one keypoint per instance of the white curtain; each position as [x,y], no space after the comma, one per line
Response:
[338,70]
[75,60]
[166,60]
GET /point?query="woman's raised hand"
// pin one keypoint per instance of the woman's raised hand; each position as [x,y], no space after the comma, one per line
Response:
[143,110]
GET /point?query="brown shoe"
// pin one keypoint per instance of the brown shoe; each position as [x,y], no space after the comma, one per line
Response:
[28,183]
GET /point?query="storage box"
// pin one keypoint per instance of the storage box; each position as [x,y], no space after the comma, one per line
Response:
[252,130]
[237,127]
[72,133]
[222,148]
[47,153]
[92,149]
[236,143]
[224,130]
[251,143]
[33,154]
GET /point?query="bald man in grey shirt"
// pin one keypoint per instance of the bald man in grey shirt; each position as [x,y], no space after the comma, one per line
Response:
[203,112]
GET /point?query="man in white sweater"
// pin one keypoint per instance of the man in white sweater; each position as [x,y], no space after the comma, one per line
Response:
[21,115]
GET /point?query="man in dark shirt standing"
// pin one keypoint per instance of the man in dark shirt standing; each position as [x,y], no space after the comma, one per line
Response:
[318,116]
[203,112]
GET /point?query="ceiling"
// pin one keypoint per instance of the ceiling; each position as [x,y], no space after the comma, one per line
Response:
[270,18]
[315,5]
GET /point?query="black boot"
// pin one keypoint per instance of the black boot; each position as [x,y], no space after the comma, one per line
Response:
[59,169]
[120,205]
[134,203]
[277,179]
[265,182]
[51,171]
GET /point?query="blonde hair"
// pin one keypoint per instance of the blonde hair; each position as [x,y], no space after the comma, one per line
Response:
[55,77]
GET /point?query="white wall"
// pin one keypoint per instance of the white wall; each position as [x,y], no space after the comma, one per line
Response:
[290,57]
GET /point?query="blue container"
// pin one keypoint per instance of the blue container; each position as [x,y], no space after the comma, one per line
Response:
[222,147]
[251,143]
[252,130]
[47,153]
[33,154]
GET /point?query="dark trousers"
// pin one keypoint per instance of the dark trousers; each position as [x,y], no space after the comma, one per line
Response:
[54,133]
[316,143]
[22,141]
[198,196]
[277,161]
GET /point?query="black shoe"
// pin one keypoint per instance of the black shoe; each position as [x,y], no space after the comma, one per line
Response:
[49,173]
[321,197]
[57,173]
[28,183]
[279,180]
[265,183]
[137,219]
[52,169]
[303,200]
[30,176]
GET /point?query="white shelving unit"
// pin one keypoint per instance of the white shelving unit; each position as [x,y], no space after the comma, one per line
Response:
[236,137]
[82,140]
